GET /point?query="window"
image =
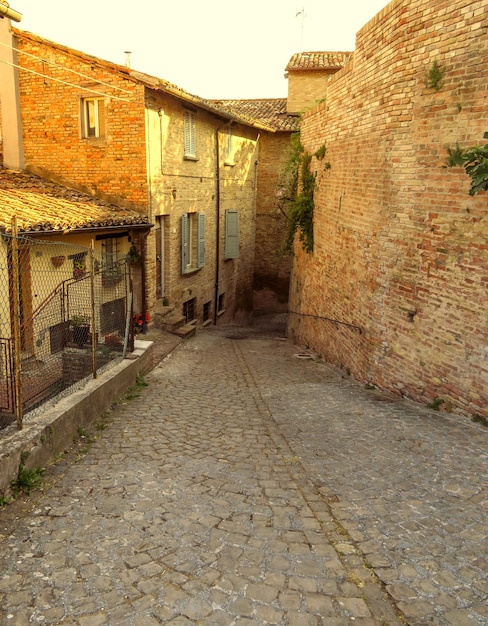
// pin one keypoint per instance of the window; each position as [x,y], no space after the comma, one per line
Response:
[221,302]
[189,310]
[231,235]
[190,135]
[206,311]
[192,242]
[92,117]
[228,148]
[112,269]
[110,252]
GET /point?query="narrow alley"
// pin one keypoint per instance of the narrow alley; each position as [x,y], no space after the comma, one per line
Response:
[251,483]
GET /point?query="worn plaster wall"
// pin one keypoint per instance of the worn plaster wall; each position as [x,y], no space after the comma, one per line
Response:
[399,275]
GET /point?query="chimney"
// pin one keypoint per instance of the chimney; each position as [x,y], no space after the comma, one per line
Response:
[11,132]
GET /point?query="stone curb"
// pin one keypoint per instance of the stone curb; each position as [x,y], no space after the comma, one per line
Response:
[53,430]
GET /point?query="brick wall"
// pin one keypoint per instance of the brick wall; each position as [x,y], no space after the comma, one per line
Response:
[112,167]
[180,186]
[115,167]
[306,88]
[272,265]
[401,249]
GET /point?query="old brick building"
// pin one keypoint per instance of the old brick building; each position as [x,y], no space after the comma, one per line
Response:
[145,144]
[272,264]
[308,75]
[395,291]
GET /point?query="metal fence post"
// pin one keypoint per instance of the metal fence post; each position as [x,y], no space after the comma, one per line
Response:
[16,315]
[92,298]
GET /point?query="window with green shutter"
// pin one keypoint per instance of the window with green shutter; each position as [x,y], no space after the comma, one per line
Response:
[192,242]
[231,249]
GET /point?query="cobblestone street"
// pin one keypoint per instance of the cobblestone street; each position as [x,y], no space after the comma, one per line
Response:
[251,483]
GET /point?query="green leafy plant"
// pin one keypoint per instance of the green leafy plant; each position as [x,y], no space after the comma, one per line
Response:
[480,419]
[474,160]
[296,193]
[27,480]
[79,320]
[435,76]
[133,255]
[436,404]
[4,500]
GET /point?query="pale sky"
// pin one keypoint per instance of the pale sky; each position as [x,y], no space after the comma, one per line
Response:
[214,48]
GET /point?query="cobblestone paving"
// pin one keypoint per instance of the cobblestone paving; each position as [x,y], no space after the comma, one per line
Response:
[252,484]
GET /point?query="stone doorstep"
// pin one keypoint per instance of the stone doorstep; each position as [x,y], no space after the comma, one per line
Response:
[171,323]
[50,432]
[187,330]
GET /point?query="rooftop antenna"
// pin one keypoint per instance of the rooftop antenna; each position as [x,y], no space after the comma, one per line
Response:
[127,57]
[302,13]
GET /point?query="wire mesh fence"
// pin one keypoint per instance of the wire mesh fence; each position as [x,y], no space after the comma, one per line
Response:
[65,315]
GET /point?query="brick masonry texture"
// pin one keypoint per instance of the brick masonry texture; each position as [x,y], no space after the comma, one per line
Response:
[401,249]
[272,266]
[113,167]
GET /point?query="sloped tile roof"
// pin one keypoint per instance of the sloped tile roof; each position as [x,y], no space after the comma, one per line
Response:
[318,61]
[271,111]
[152,82]
[43,206]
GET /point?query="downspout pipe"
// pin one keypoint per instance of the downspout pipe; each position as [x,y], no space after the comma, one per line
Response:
[10,13]
[218,211]
[217,228]
[143,279]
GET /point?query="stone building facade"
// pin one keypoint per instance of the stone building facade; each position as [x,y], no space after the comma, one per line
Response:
[395,291]
[272,265]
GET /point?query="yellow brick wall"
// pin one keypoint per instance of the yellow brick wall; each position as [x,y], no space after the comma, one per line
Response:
[306,88]
[180,185]
[400,247]
[272,264]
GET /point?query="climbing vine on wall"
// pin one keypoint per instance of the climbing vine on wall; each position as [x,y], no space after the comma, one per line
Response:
[475,163]
[297,186]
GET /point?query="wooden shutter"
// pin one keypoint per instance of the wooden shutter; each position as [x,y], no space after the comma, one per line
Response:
[190,134]
[231,234]
[201,240]
[185,239]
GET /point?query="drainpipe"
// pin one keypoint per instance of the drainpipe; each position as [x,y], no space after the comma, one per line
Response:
[143,279]
[217,232]
[218,208]
[10,13]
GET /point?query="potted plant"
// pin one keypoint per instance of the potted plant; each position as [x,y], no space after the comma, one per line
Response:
[79,269]
[133,255]
[57,261]
[80,325]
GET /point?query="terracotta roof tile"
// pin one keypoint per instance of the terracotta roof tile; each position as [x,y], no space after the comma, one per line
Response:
[270,111]
[43,206]
[152,82]
[318,61]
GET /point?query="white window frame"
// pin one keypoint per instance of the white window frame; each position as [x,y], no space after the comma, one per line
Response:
[190,134]
[92,116]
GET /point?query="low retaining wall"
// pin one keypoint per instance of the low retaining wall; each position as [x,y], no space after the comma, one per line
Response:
[54,430]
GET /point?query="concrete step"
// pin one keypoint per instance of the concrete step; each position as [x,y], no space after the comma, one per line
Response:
[171,322]
[187,330]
